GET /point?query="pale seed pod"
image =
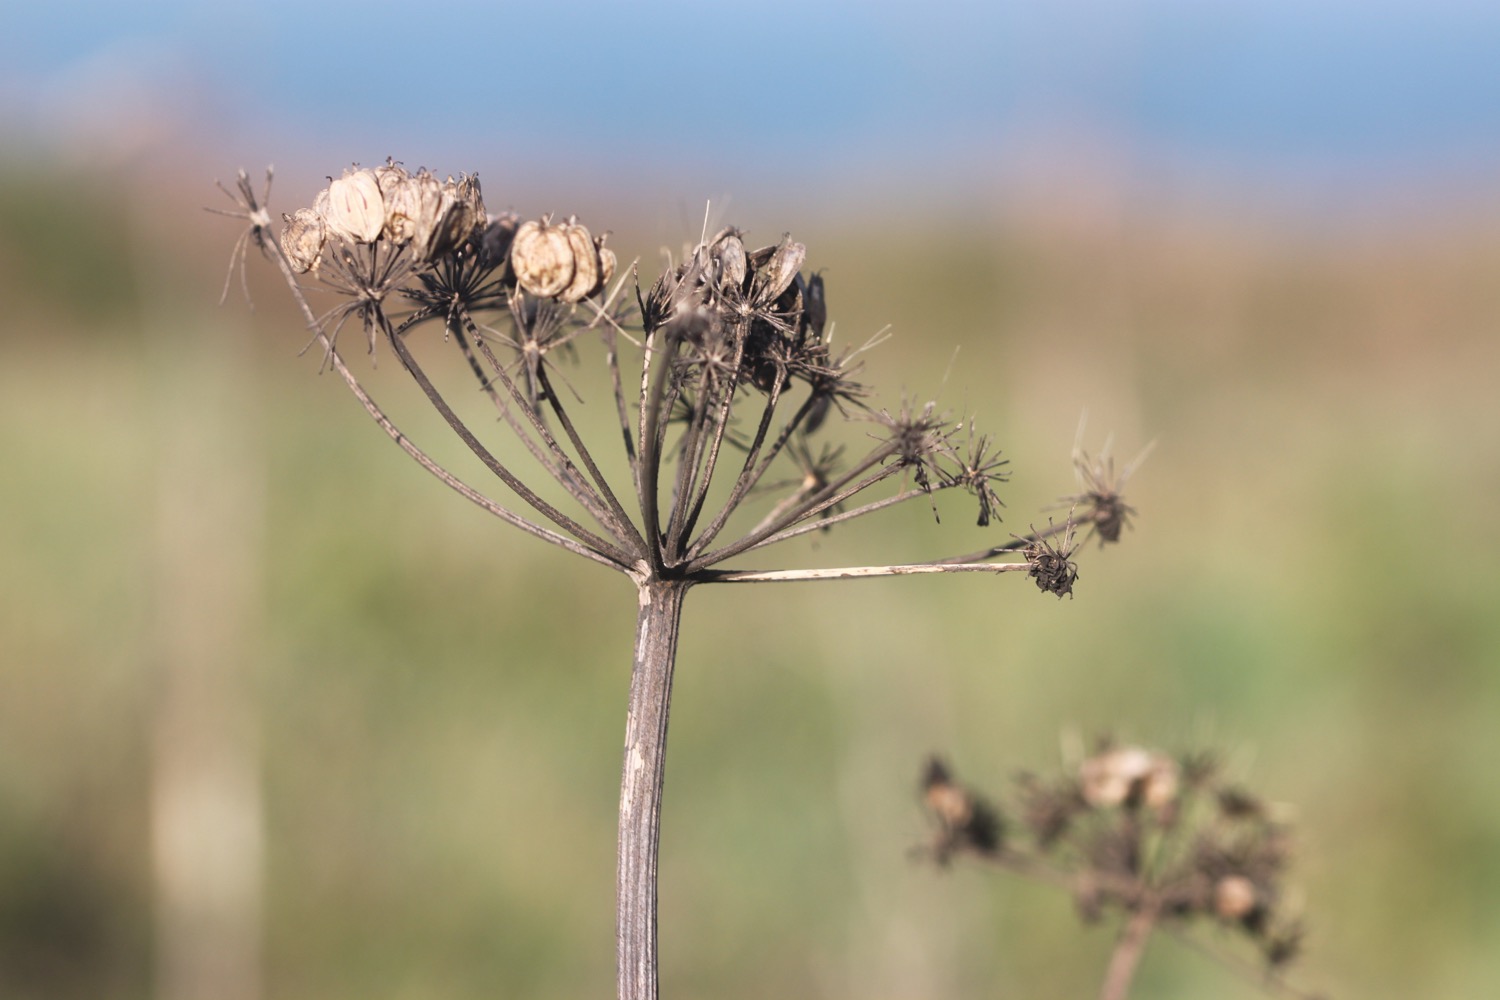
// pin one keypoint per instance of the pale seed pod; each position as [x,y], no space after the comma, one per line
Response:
[494,242]
[356,212]
[302,239]
[447,224]
[403,203]
[607,262]
[473,203]
[1234,897]
[541,256]
[585,279]
[729,251]
[775,275]
[428,220]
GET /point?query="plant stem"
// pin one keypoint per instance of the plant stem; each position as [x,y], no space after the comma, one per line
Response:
[1127,954]
[641,786]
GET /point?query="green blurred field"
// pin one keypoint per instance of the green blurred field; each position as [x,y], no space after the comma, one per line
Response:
[435,704]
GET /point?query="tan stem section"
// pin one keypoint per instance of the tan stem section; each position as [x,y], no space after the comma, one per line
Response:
[641,787]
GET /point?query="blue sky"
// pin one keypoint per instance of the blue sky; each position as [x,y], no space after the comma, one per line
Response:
[1366,87]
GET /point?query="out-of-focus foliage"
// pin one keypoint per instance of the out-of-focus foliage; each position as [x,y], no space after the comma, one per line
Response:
[441,701]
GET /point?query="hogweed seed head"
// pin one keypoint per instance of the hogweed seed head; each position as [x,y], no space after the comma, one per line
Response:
[1127,832]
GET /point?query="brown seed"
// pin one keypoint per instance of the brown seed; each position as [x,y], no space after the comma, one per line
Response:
[585,264]
[302,239]
[541,256]
[356,212]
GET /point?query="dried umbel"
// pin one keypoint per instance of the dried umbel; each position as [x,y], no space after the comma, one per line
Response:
[1161,839]
[725,388]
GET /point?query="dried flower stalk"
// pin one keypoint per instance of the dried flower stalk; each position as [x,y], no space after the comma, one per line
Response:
[736,375]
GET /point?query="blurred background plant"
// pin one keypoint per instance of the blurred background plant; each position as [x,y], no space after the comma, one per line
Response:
[1163,843]
[1266,237]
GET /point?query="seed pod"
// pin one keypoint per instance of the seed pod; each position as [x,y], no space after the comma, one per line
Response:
[473,203]
[427,222]
[729,251]
[815,307]
[403,202]
[494,243]
[775,267]
[1235,897]
[356,212]
[302,239]
[607,261]
[541,256]
[585,279]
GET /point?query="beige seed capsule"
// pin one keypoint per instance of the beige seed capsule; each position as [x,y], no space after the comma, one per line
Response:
[473,204]
[403,201]
[541,256]
[302,239]
[730,253]
[448,223]
[775,269]
[607,262]
[356,212]
[1234,897]
[585,264]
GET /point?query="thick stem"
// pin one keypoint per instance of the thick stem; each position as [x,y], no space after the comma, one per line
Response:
[641,786]
[1127,955]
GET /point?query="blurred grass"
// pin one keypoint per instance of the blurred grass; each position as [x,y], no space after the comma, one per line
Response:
[1308,586]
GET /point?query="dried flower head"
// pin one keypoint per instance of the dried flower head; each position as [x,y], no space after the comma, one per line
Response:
[1051,564]
[732,374]
[1100,502]
[1127,833]
[965,822]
